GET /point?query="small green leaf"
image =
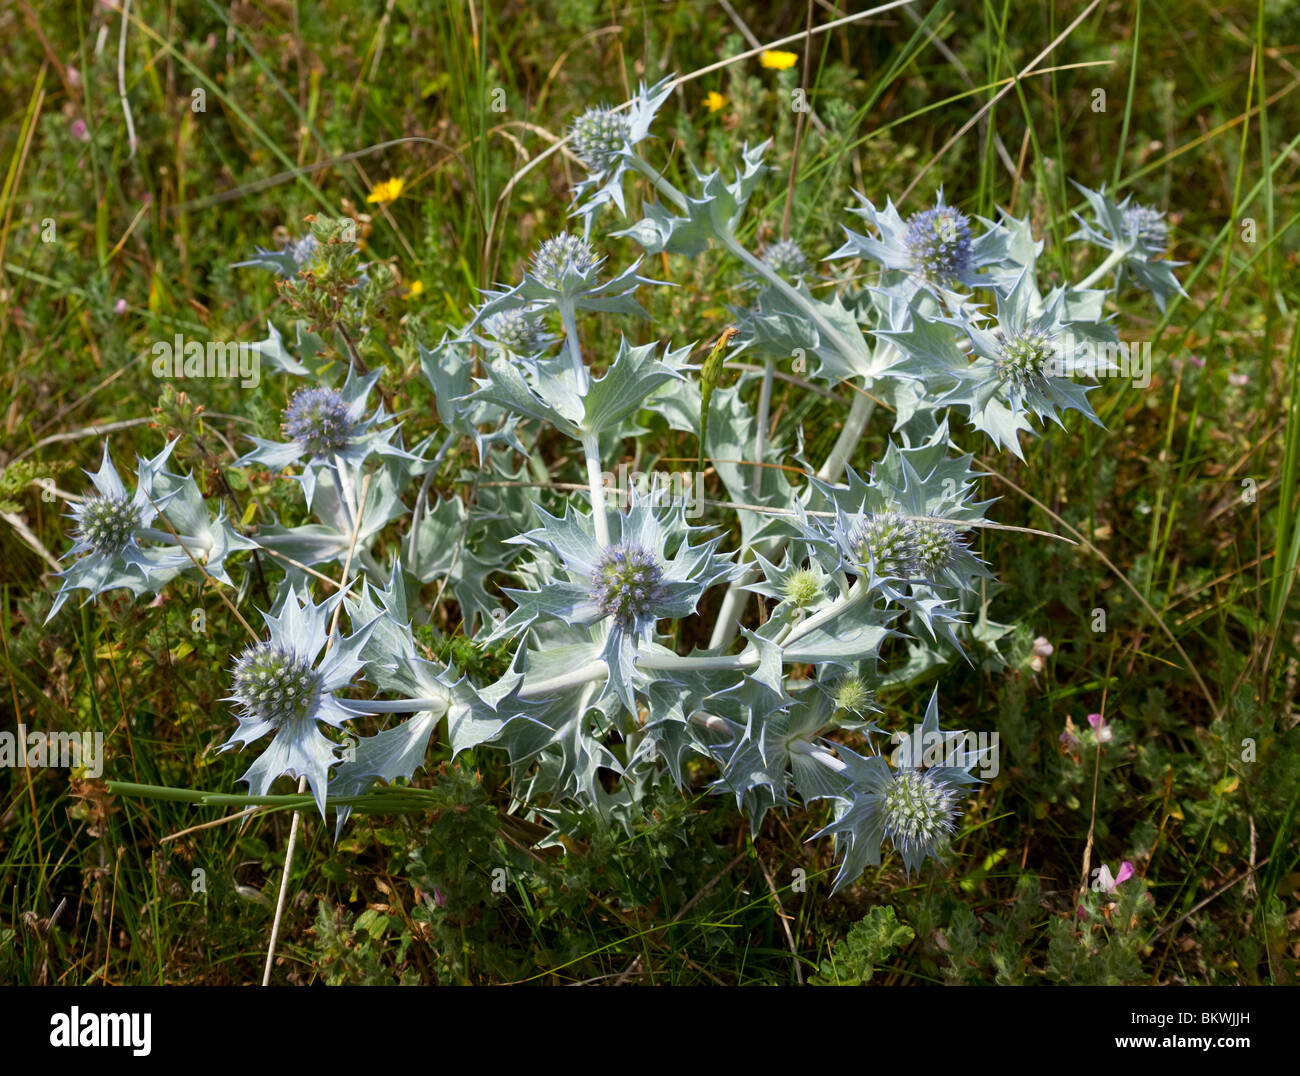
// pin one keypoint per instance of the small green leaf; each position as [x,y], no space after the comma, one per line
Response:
[870,942]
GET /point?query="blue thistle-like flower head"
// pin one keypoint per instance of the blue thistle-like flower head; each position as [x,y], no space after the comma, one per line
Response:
[939,244]
[621,587]
[917,810]
[787,258]
[627,584]
[914,807]
[561,257]
[1025,356]
[936,546]
[604,139]
[1148,228]
[275,684]
[1139,234]
[1022,366]
[291,256]
[883,542]
[319,420]
[564,273]
[934,247]
[106,523]
[286,685]
[329,428]
[598,136]
[518,330]
[301,250]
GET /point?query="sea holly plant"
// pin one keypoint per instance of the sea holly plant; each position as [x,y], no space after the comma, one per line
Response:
[117,545]
[874,578]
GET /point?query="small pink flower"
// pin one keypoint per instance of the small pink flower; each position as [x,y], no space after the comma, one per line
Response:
[1108,883]
[1196,360]
[80,131]
[1099,726]
[1042,650]
[119,307]
[74,77]
[1069,741]
[1238,380]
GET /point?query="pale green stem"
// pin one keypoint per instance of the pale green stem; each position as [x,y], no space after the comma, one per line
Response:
[347,495]
[153,534]
[840,605]
[397,706]
[594,670]
[711,722]
[575,347]
[824,328]
[760,434]
[662,185]
[734,601]
[820,754]
[1112,259]
[596,482]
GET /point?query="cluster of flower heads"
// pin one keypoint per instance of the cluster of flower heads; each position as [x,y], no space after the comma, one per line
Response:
[597,683]
[887,544]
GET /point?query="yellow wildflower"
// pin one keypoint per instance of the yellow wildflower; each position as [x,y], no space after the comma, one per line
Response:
[416,289]
[714,101]
[777,60]
[388,191]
